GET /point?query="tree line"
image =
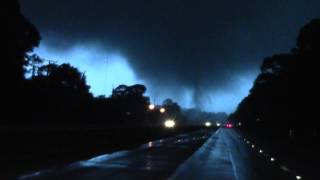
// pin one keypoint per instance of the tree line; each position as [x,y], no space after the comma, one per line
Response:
[39,90]
[42,91]
[279,100]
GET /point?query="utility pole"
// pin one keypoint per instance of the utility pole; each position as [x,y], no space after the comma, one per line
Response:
[49,63]
[107,61]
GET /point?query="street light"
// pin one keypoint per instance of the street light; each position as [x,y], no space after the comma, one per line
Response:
[218,124]
[162,110]
[207,124]
[151,107]
[169,123]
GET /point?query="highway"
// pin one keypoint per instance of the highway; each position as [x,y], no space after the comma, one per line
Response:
[153,160]
[206,154]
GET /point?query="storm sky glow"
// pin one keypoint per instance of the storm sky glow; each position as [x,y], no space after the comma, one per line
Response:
[106,70]
[203,55]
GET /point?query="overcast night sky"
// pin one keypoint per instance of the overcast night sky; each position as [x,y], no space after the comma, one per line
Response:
[203,55]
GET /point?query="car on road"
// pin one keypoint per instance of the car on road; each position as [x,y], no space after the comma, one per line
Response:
[228,125]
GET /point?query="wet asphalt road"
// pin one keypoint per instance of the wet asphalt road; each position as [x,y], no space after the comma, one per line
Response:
[222,157]
[207,154]
[153,160]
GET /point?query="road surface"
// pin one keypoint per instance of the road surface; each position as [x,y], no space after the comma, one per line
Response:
[221,155]
[154,160]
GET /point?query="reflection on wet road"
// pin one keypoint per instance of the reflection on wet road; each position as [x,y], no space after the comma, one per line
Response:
[222,157]
[154,160]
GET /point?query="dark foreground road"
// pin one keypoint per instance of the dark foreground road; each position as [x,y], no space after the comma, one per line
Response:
[154,160]
[221,155]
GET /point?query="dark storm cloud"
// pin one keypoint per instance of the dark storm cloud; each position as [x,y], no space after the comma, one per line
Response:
[203,45]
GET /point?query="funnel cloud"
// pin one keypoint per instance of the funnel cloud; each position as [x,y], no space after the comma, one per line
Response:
[204,55]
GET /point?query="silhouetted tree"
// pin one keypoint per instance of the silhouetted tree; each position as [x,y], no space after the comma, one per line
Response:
[275,99]
[308,41]
[125,91]
[22,37]
[19,37]
[130,103]
[32,64]
[66,76]
[173,109]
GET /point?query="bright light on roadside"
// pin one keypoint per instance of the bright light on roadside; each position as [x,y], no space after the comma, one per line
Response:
[150,144]
[239,124]
[298,177]
[207,124]
[252,145]
[272,159]
[260,151]
[151,107]
[169,123]
[162,110]
[218,124]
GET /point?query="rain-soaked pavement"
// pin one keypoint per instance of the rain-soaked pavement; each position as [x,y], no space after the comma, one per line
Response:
[222,157]
[200,155]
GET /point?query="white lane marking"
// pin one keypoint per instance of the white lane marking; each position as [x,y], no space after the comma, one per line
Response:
[216,151]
